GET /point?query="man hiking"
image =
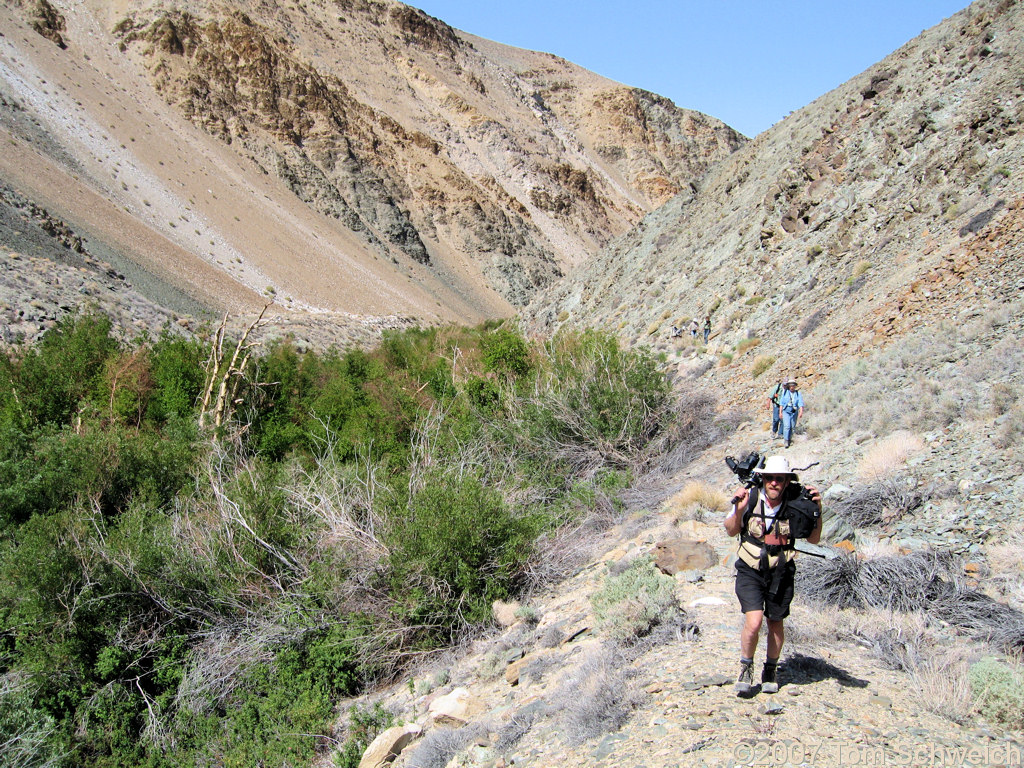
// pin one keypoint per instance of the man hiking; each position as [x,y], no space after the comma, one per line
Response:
[765,567]
[791,407]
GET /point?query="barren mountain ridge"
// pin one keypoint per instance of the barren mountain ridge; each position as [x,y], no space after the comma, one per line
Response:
[353,161]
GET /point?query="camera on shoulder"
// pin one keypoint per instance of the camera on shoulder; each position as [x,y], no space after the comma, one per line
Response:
[746,468]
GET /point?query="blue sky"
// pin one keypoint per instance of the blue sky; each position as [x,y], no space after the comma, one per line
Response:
[747,62]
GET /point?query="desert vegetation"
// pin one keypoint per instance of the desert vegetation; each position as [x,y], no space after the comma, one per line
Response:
[976,381]
[184,589]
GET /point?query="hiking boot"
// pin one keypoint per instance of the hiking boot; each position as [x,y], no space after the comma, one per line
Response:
[745,681]
[768,682]
[788,442]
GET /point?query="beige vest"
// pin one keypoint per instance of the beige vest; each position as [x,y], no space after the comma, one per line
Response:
[750,553]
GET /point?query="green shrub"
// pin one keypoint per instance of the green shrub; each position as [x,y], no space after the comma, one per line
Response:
[181,601]
[482,393]
[505,353]
[458,549]
[998,689]
[633,602]
[65,368]
[27,731]
[761,364]
[594,399]
[178,376]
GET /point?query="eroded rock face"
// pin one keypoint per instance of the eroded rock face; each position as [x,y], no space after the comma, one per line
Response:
[47,21]
[426,142]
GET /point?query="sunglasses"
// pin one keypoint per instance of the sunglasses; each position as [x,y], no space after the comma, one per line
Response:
[775,478]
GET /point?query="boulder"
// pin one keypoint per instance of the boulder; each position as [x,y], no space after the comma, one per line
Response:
[835,529]
[675,555]
[505,613]
[387,746]
[455,708]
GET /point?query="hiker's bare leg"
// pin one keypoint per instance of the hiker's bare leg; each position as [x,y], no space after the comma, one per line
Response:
[751,629]
[776,637]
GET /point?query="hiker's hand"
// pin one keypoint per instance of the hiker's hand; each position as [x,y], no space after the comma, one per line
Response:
[815,496]
[739,499]
[734,520]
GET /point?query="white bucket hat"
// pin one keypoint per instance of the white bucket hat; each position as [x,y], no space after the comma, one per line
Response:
[777,465]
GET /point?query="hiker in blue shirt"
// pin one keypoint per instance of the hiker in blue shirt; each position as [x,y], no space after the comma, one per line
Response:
[791,407]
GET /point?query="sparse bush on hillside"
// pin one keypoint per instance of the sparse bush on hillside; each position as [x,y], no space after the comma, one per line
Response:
[812,321]
[880,502]
[1005,563]
[702,496]
[889,454]
[761,364]
[1004,397]
[1010,434]
[998,690]
[633,602]
[746,344]
[927,581]
[597,698]
[891,379]
[438,747]
[691,424]
[941,685]
[517,726]
[860,268]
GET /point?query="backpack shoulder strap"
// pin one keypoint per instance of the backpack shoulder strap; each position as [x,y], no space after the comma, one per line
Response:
[752,498]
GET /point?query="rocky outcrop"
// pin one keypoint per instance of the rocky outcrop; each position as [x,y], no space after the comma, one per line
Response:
[229,77]
[47,21]
[523,171]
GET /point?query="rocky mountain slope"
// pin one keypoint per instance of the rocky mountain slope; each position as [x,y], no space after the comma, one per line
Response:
[353,160]
[894,200]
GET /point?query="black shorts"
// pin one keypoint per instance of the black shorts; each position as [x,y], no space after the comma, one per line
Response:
[752,589]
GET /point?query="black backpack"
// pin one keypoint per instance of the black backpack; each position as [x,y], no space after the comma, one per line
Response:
[797,507]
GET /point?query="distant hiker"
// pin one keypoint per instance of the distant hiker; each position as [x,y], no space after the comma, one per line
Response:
[676,332]
[765,567]
[707,328]
[773,406]
[694,327]
[791,407]
[796,417]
